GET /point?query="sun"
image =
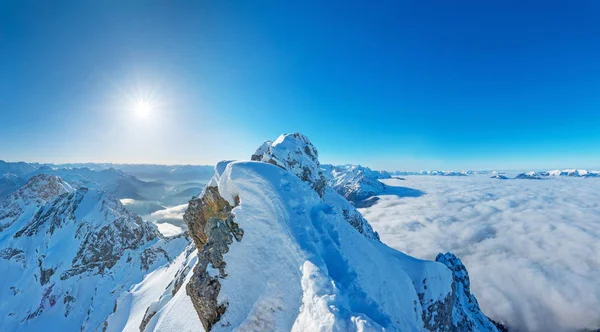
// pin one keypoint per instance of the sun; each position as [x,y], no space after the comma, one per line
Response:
[143,109]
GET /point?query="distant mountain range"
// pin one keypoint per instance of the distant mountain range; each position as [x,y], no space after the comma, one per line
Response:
[168,185]
[565,172]
[580,173]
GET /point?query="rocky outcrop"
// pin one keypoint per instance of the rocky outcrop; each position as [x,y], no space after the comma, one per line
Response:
[23,203]
[213,229]
[464,308]
[297,155]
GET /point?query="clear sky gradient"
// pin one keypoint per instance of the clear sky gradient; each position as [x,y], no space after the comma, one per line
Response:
[396,85]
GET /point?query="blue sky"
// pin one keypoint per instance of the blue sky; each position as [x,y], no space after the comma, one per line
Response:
[396,85]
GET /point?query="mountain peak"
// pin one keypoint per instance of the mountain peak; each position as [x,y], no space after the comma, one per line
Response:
[296,154]
[44,187]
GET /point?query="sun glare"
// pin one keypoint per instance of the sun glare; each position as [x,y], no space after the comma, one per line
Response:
[143,109]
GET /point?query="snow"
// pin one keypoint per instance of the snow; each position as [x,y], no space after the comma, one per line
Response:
[354,182]
[300,266]
[67,234]
[531,247]
[132,305]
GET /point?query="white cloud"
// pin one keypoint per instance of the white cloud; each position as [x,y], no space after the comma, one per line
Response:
[168,229]
[532,248]
[171,213]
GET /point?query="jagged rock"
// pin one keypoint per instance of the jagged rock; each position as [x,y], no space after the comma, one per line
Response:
[296,154]
[211,225]
[150,255]
[79,249]
[12,253]
[23,203]
[45,274]
[467,315]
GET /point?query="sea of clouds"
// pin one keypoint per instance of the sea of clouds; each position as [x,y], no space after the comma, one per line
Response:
[532,247]
[169,220]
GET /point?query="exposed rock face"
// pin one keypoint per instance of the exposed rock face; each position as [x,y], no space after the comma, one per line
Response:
[464,308]
[102,245]
[39,190]
[213,229]
[296,154]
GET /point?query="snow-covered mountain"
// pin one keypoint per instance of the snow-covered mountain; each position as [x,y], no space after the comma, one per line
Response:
[274,248]
[571,172]
[438,173]
[67,254]
[113,181]
[9,183]
[279,250]
[356,183]
[150,172]
[17,168]
[163,184]
[529,176]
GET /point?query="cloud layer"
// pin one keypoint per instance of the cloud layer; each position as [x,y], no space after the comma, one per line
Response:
[532,248]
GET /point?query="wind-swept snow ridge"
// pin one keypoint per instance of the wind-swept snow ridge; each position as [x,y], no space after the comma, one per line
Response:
[276,254]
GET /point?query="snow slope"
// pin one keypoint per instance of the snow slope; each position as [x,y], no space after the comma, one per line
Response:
[277,253]
[66,255]
[356,183]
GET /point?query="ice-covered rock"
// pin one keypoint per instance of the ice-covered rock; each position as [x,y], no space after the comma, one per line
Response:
[296,154]
[465,309]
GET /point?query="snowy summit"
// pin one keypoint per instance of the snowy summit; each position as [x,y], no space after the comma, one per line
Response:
[279,251]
